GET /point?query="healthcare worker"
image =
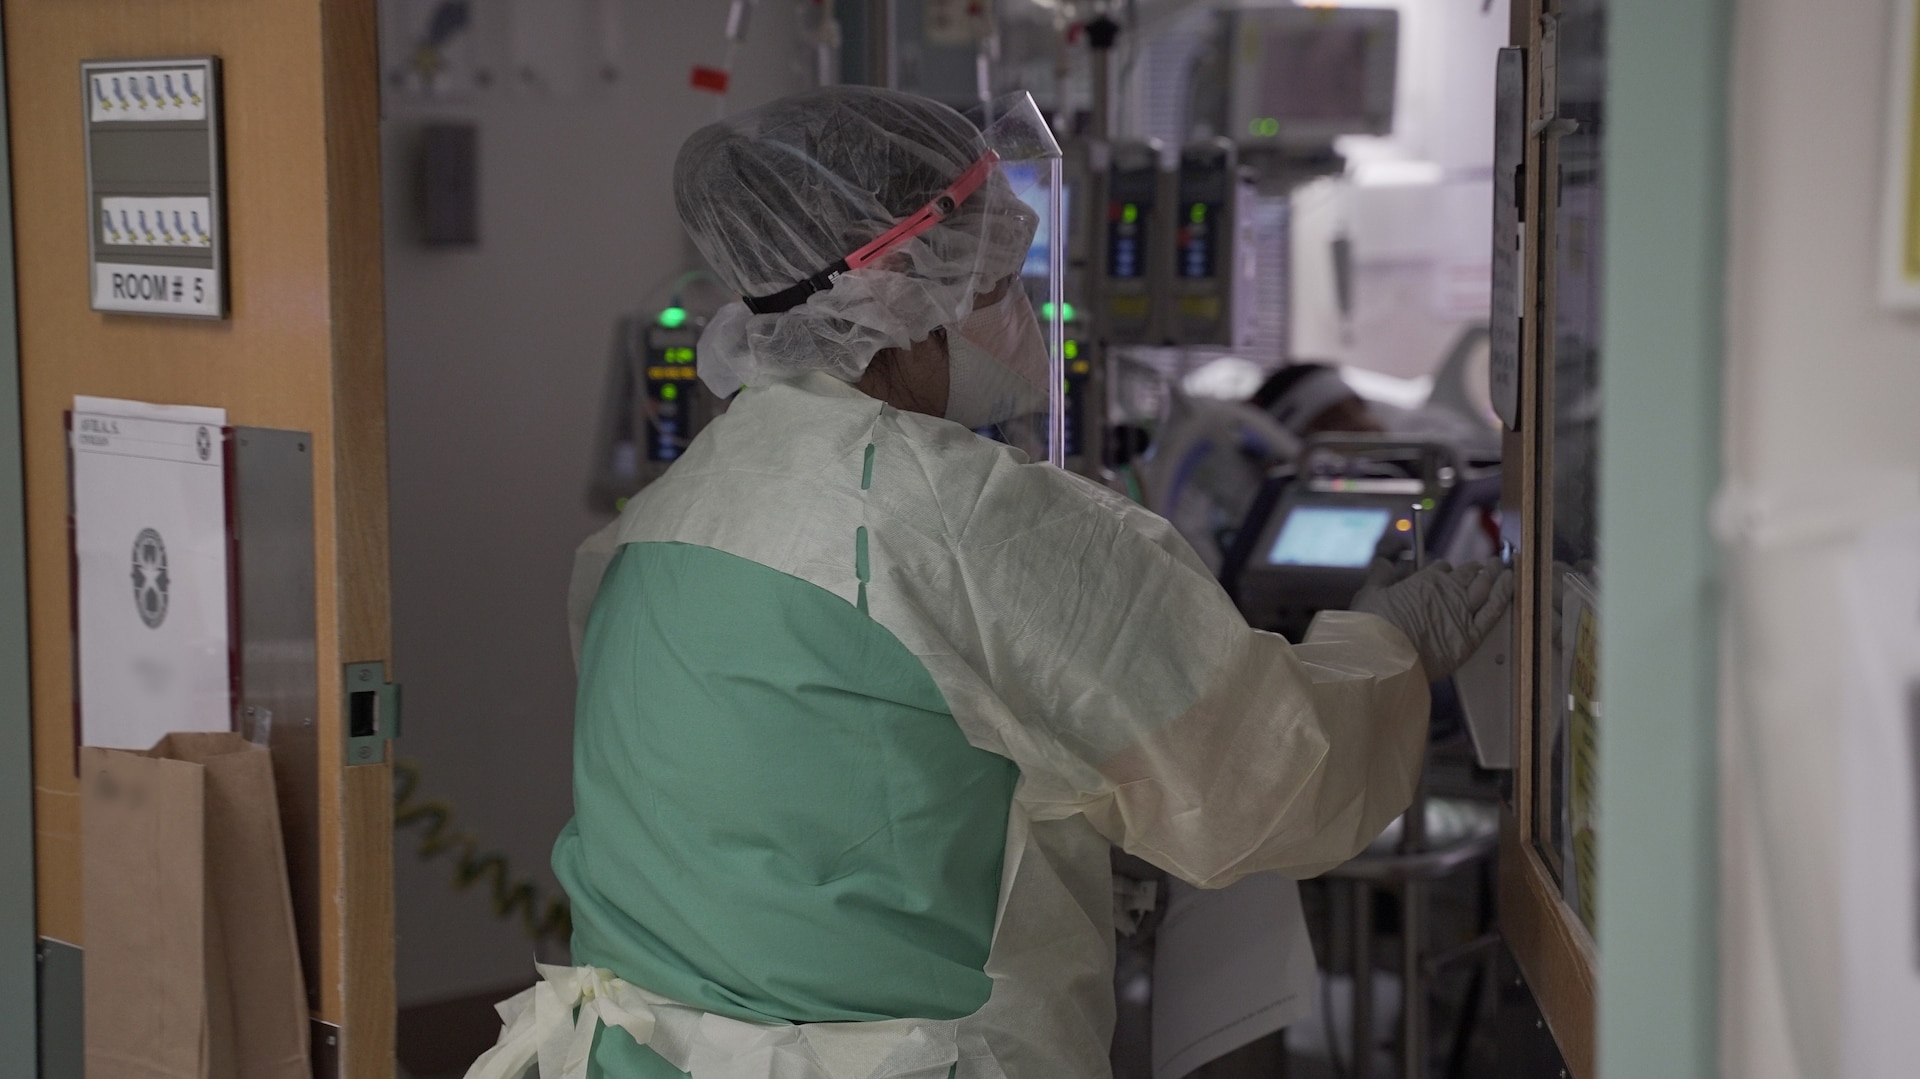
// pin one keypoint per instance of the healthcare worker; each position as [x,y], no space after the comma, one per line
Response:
[865,697]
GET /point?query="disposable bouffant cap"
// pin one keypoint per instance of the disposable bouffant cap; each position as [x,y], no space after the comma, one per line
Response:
[776,195]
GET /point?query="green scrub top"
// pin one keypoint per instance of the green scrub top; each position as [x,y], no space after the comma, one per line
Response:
[775,815]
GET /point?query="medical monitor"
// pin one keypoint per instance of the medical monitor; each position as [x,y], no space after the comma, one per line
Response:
[1302,76]
[1311,552]
[1343,537]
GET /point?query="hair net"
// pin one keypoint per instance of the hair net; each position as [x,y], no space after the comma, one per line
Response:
[775,195]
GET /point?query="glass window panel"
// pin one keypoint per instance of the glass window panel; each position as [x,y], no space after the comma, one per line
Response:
[1565,812]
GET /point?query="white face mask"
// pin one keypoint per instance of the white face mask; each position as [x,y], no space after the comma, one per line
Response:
[996,363]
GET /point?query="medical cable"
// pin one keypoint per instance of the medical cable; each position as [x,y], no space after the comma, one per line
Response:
[551,919]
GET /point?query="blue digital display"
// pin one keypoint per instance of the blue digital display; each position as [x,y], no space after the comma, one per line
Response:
[1336,536]
[666,427]
[1127,226]
[1195,242]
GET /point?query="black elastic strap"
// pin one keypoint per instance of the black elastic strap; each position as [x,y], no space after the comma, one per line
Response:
[789,298]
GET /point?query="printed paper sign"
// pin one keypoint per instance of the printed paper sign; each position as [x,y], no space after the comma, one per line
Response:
[150,546]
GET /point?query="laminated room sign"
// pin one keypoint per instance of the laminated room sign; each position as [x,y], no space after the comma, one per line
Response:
[157,228]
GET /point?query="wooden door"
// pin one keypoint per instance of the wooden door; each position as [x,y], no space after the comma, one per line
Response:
[301,350]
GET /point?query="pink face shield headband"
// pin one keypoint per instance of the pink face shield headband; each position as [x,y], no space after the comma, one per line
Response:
[913,225]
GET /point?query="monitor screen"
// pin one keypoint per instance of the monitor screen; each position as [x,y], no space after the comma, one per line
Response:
[1029,182]
[1317,73]
[1338,536]
[1309,74]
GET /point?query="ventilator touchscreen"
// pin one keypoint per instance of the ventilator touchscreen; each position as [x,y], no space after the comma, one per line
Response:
[1339,536]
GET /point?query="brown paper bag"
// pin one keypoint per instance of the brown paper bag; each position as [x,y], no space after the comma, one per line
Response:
[192,968]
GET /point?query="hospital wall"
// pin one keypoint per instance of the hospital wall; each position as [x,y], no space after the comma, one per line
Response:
[1821,445]
[497,355]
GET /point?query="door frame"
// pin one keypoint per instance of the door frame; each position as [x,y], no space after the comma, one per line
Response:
[19,998]
[1656,1009]
[1664,288]
[302,350]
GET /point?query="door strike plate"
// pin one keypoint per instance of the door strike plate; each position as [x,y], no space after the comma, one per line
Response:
[373,712]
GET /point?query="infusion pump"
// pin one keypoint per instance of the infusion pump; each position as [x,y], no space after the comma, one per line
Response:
[655,405]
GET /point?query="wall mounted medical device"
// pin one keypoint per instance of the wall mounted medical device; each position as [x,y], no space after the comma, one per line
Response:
[1303,76]
[655,405]
[1210,279]
[1133,243]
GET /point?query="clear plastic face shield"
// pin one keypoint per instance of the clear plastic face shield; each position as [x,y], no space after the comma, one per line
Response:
[1007,377]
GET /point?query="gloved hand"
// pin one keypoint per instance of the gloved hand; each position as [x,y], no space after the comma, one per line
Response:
[1445,612]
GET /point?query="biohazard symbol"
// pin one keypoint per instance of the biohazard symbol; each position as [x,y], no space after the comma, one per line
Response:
[150,580]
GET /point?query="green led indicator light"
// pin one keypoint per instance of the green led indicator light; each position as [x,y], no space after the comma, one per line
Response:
[1129,213]
[673,317]
[1073,350]
[669,392]
[1066,311]
[1427,504]
[1198,215]
[1265,127]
